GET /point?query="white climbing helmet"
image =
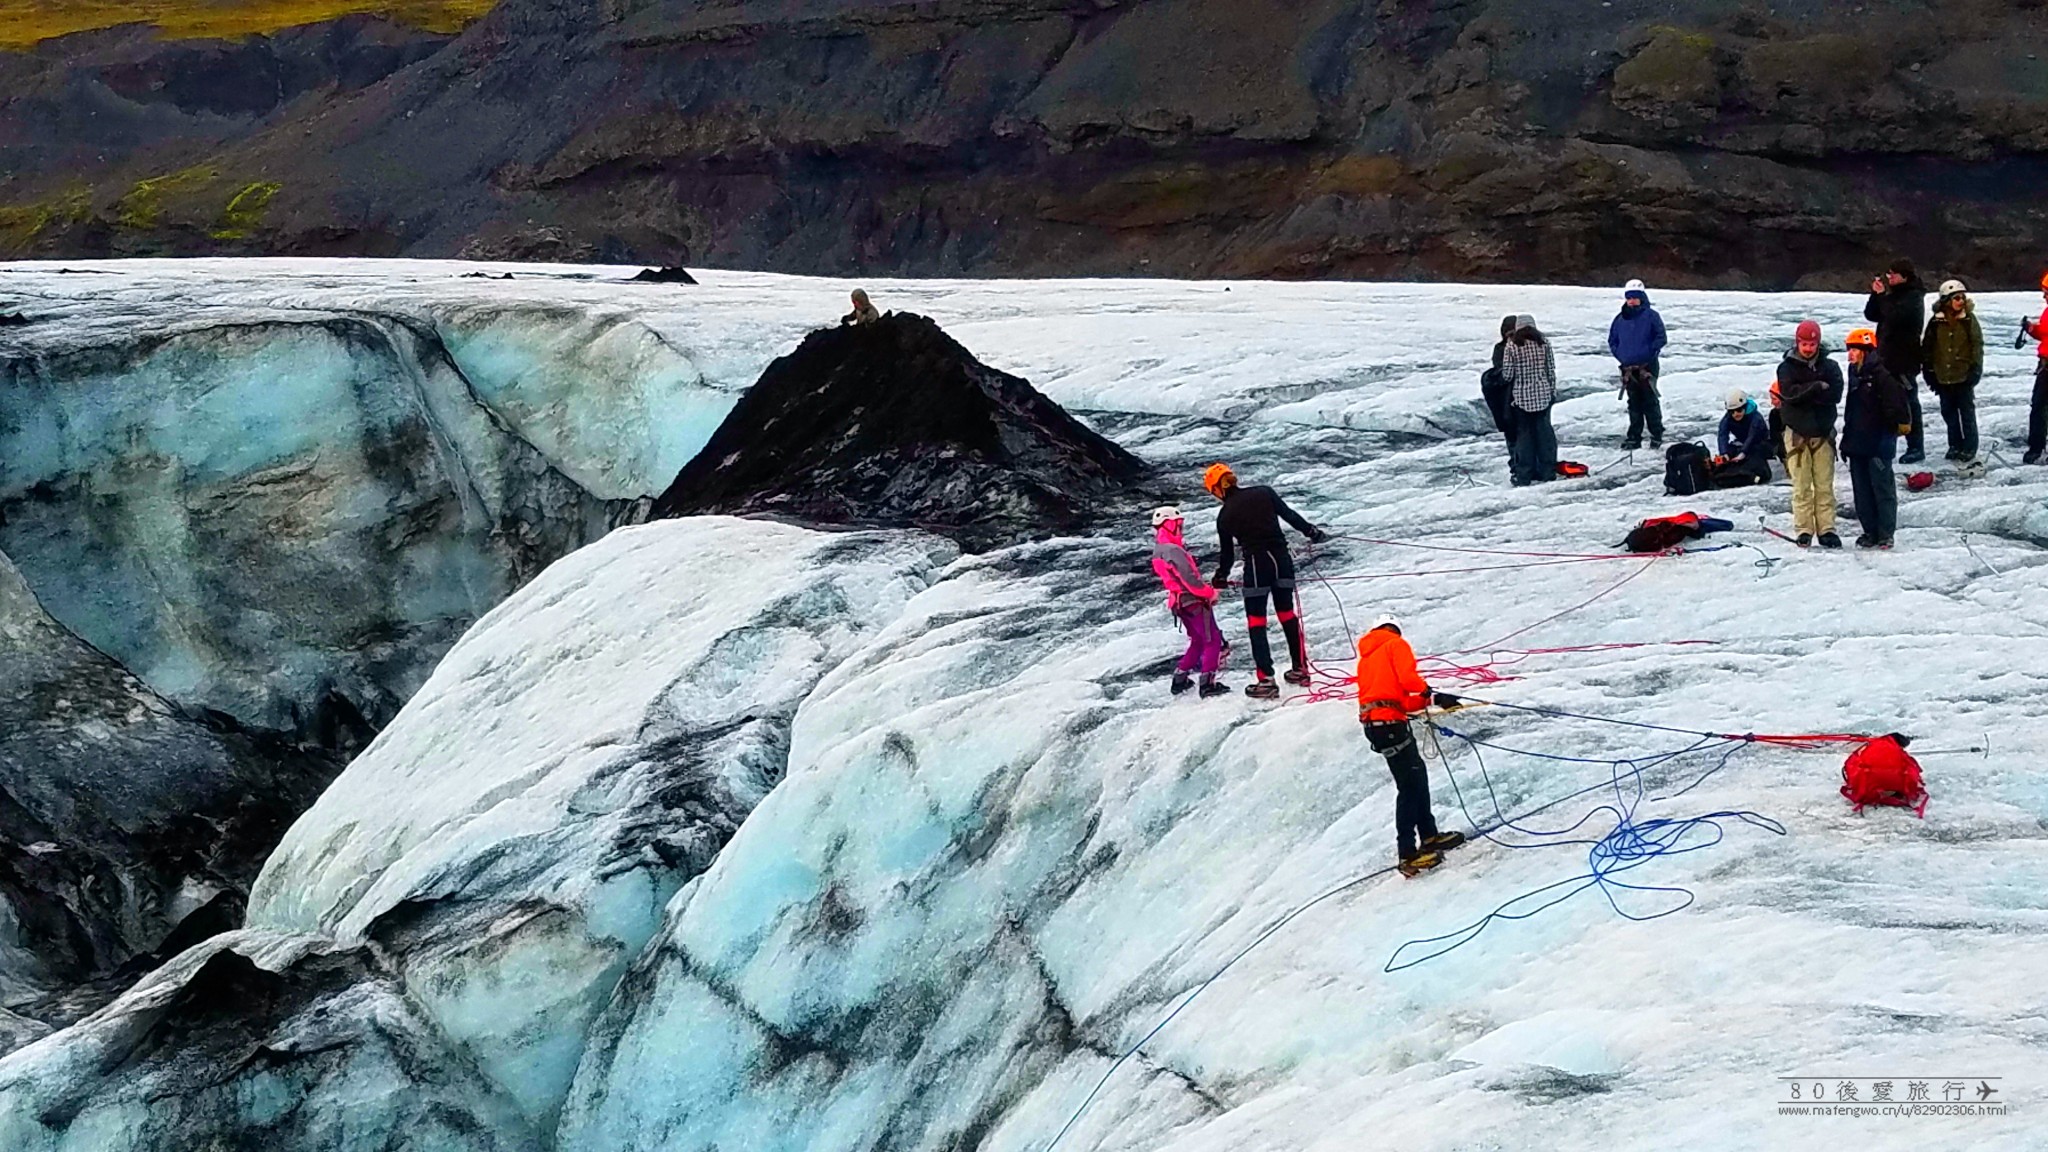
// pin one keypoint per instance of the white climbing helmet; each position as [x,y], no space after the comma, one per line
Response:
[1952,288]
[1634,286]
[1164,513]
[1737,398]
[1386,620]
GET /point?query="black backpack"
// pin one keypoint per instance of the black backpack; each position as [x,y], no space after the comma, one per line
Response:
[1686,469]
[1894,399]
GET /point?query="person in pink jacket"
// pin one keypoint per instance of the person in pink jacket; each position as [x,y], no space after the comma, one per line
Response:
[1191,600]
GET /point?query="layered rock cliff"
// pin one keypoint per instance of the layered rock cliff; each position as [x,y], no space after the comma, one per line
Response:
[1697,142]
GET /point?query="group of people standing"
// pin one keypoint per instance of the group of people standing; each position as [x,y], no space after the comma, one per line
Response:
[1878,400]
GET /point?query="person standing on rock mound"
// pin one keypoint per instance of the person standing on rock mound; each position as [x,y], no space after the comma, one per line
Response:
[1636,339]
[1390,689]
[1251,517]
[1809,387]
[863,312]
[1530,368]
[1191,601]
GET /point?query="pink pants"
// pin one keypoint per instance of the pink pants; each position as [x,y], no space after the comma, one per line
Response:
[1205,638]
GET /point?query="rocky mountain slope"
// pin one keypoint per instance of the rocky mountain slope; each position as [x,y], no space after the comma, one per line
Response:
[1697,142]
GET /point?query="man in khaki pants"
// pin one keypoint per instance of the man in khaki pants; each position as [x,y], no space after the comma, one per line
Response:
[1809,389]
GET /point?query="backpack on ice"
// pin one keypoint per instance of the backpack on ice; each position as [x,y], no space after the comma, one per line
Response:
[1687,469]
[1882,772]
[1572,469]
[1663,533]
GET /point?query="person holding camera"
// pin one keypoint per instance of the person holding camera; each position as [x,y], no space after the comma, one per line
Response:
[1898,306]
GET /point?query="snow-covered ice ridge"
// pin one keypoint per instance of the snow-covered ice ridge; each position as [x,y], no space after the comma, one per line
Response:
[995,851]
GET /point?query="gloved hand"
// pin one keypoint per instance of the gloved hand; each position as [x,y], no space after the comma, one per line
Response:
[1445,700]
[1316,535]
[1906,429]
[1220,580]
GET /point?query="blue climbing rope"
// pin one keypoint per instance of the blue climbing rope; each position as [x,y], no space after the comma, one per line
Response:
[1631,842]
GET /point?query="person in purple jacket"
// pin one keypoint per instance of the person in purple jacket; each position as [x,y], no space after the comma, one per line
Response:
[1636,338]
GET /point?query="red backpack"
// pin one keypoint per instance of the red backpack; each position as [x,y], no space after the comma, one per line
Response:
[1883,772]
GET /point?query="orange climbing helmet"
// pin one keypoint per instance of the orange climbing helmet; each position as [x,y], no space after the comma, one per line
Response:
[1219,479]
[1862,338]
[2044,281]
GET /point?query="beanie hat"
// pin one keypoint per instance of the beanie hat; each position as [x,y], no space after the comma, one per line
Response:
[1807,330]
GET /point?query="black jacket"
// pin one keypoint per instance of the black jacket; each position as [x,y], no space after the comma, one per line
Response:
[1251,516]
[1900,313]
[1876,406]
[1809,393]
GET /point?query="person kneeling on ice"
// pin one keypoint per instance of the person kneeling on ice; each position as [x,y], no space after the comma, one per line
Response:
[1191,601]
[1878,412]
[1251,517]
[1745,443]
[1808,389]
[1390,689]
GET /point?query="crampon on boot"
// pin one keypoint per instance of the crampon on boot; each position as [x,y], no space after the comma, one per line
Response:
[1212,688]
[1442,841]
[1263,688]
[1419,863]
[1295,676]
[1181,683]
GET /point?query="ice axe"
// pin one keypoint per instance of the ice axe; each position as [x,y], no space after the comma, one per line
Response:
[1981,749]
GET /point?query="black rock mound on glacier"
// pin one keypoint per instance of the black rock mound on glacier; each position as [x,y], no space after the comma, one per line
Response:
[895,424]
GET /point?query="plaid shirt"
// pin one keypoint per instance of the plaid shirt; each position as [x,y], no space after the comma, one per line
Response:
[1532,369]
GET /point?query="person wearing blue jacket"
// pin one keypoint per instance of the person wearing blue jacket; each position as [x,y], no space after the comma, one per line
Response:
[1745,456]
[1636,338]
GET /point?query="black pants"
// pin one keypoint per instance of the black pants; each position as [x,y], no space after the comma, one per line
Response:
[1534,458]
[1271,572]
[1916,440]
[1645,407]
[1743,475]
[1497,396]
[1877,495]
[2037,415]
[1959,413]
[1413,821]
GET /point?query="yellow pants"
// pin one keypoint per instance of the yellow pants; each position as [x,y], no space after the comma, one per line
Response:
[1812,464]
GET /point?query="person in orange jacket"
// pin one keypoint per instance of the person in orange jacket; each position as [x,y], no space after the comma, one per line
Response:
[1390,689]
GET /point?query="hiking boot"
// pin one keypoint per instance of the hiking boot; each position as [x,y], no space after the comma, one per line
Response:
[1181,683]
[1262,689]
[1953,454]
[1830,540]
[1295,676]
[2033,457]
[1419,863]
[1805,540]
[1442,842]
[1656,442]
[1866,541]
[1885,544]
[1631,445]
[1912,457]
[1212,688]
